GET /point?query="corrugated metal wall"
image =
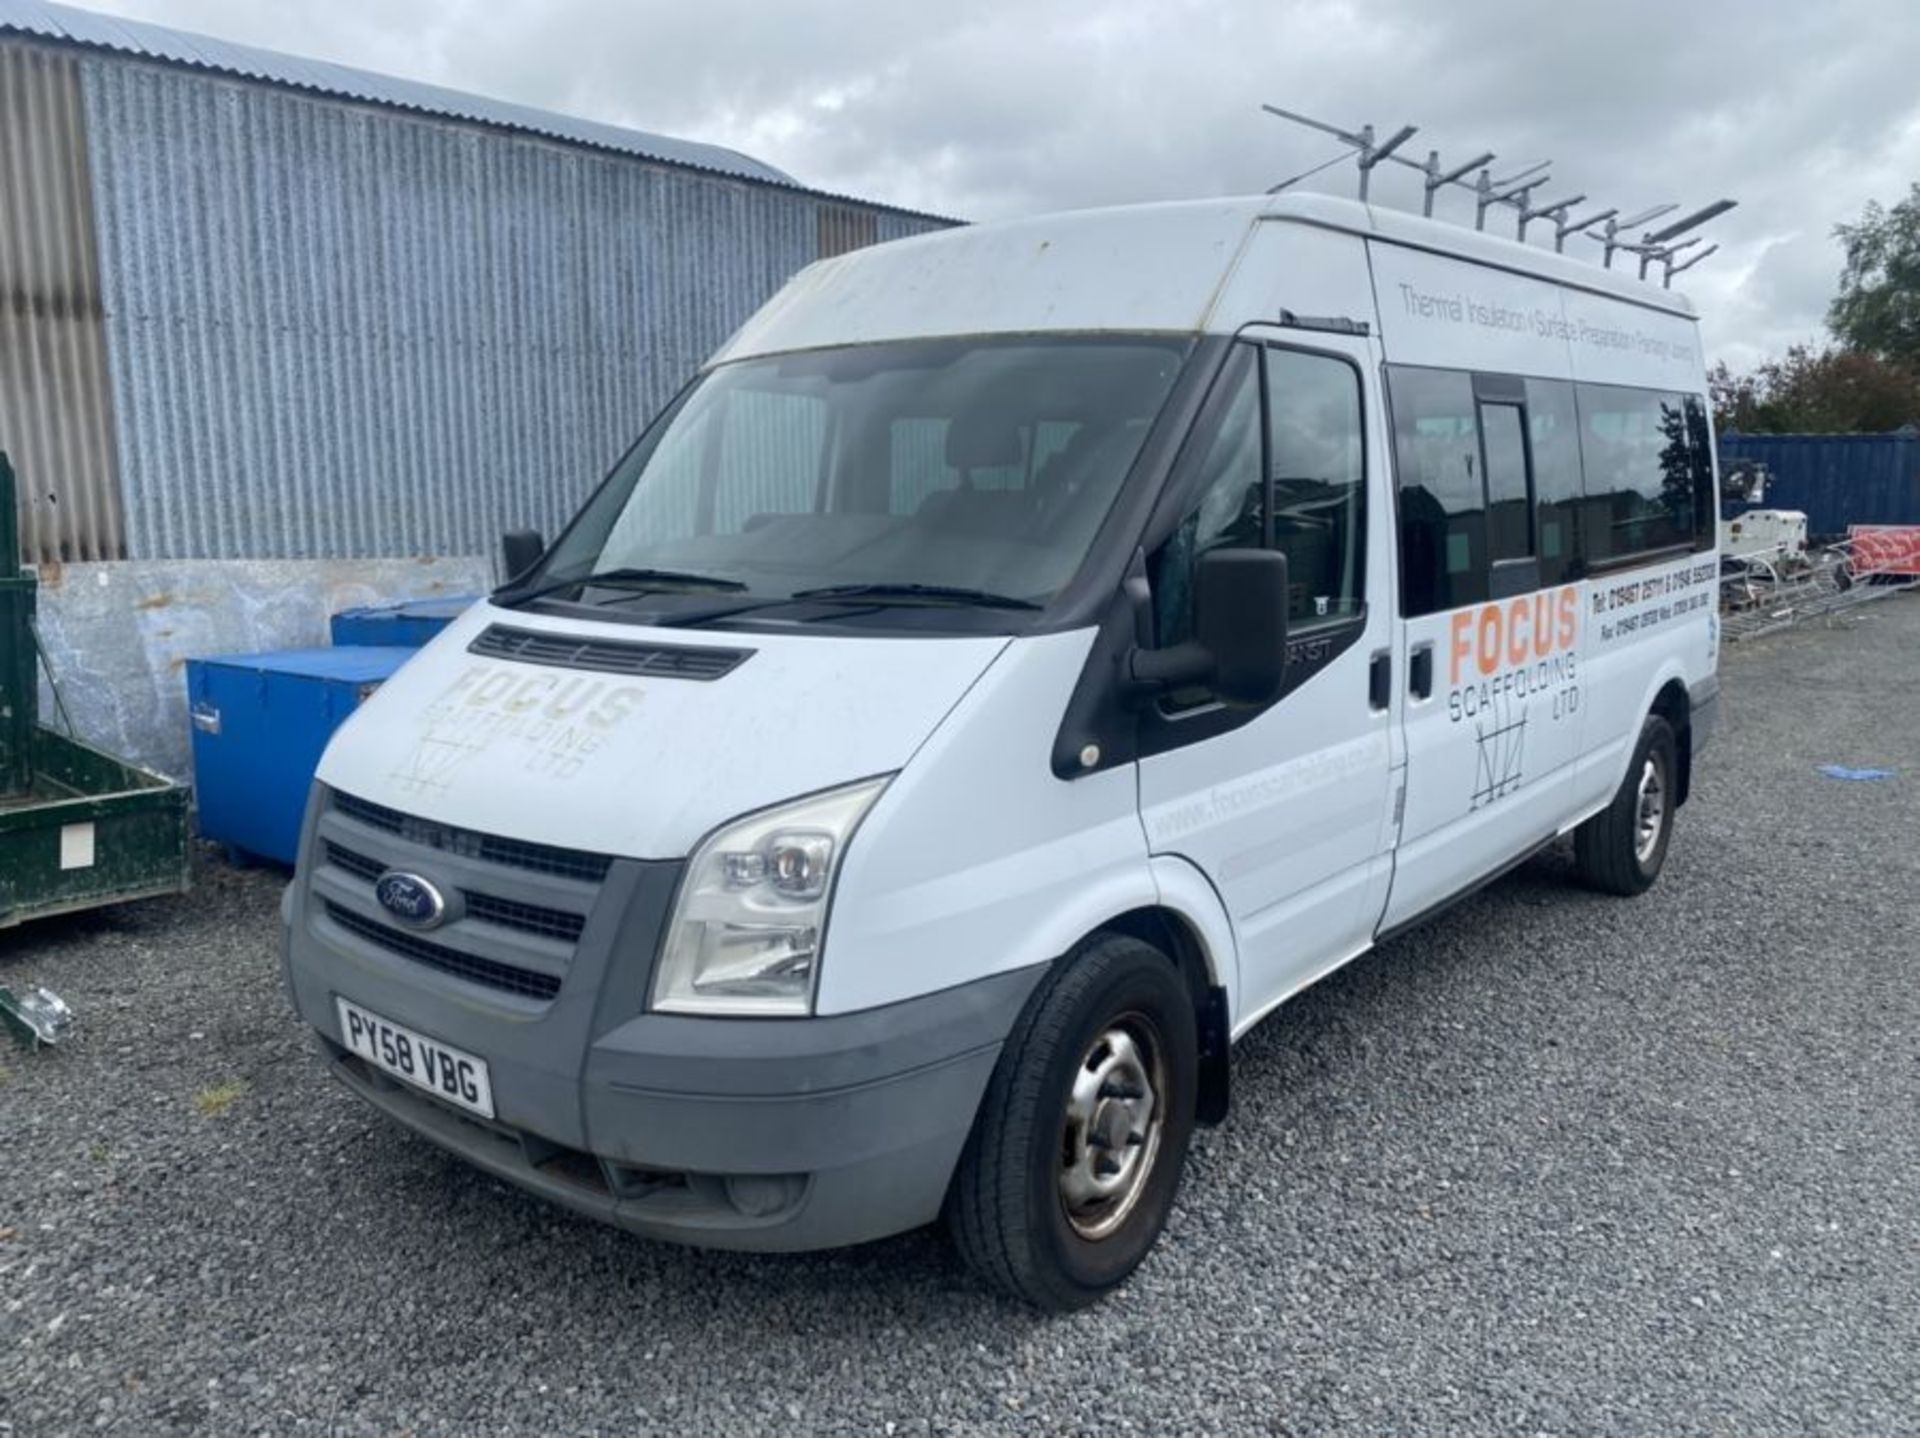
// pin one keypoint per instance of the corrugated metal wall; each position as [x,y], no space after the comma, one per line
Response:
[54,406]
[341,331]
[1838,479]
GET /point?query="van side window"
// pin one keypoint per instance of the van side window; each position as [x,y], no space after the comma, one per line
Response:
[1443,518]
[1232,507]
[1553,433]
[1317,460]
[1639,471]
[1706,490]
[1509,503]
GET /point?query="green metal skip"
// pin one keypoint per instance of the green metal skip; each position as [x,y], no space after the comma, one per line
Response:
[78,827]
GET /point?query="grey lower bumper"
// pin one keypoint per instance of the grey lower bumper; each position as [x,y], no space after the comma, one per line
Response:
[771,1134]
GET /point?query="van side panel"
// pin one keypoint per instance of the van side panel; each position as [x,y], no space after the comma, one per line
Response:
[1538,688]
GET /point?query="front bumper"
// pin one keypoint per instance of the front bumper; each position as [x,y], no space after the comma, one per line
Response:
[804,1162]
[739,1133]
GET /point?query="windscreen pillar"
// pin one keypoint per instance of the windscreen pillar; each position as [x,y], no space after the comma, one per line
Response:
[19,695]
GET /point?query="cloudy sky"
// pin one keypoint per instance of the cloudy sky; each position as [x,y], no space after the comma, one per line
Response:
[1801,109]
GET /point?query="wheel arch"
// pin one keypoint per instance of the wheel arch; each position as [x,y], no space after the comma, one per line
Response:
[1175,934]
[1674,704]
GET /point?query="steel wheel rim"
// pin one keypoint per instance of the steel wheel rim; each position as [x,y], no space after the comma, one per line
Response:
[1650,809]
[1111,1125]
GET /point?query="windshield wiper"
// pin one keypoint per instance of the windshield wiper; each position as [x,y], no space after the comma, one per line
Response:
[926,593]
[626,577]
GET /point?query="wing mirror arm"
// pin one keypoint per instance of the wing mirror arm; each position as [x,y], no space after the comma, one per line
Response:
[1177,665]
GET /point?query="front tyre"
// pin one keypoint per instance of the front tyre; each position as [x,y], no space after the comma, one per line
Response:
[1076,1153]
[1621,849]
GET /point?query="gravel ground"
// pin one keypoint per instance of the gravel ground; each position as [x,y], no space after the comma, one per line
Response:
[1557,1163]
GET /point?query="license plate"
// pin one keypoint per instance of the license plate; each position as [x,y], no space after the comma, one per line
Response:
[412,1057]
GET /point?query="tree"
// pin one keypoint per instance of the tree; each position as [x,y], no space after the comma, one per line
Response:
[1878,307]
[1817,391]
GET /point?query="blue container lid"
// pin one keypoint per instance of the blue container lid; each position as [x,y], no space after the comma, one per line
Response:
[357,664]
[450,606]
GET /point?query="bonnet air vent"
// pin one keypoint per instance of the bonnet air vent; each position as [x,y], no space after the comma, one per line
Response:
[606,656]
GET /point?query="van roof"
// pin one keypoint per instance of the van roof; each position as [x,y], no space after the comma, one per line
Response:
[1154,267]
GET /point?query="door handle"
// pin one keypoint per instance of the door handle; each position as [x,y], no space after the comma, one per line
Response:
[1380,680]
[1420,672]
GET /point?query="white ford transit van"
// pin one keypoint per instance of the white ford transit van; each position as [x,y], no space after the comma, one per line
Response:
[1019,661]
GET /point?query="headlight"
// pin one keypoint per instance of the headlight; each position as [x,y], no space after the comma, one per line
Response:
[745,933]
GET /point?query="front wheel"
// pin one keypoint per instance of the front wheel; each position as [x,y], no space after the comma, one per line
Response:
[1621,849]
[1076,1153]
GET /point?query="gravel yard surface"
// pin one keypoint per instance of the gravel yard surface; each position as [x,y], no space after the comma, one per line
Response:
[1557,1163]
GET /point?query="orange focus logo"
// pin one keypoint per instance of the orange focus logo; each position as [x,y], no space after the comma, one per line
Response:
[1513,632]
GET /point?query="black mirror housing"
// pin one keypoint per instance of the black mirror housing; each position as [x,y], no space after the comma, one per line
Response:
[1239,644]
[520,550]
[1240,619]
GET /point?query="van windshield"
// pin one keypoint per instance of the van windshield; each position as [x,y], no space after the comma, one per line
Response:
[932,470]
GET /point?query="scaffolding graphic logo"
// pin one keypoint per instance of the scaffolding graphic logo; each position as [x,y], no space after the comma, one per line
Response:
[1500,746]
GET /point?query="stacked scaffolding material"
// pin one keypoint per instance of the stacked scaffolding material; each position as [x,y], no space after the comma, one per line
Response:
[1763,593]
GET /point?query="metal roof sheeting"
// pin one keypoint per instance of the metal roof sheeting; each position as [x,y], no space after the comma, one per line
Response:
[155,42]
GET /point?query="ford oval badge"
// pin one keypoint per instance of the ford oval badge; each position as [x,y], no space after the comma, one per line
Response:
[411,899]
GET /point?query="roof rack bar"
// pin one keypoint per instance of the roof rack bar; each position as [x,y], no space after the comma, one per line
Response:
[1438,179]
[1610,237]
[1564,226]
[1673,269]
[1652,212]
[1693,221]
[1663,254]
[1519,186]
[1516,190]
[1374,154]
[1554,211]
[1517,175]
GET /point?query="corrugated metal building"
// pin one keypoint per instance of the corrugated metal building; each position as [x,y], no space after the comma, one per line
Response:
[272,331]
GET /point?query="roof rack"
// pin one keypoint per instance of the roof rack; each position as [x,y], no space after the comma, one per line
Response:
[1662,248]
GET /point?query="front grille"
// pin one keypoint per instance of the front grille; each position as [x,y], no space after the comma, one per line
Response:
[607,656]
[360,864]
[477,970]
[527,918]
[561,924]
[469,843]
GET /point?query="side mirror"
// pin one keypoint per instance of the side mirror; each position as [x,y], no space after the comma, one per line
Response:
[520,550]
[1240,617]
[1239,644]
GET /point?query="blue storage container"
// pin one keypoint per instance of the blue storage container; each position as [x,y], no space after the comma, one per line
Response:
[412,622]
[260,722]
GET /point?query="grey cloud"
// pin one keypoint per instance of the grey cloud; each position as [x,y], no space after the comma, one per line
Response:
[1803,112]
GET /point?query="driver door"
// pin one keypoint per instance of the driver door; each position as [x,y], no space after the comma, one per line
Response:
[1287,809]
